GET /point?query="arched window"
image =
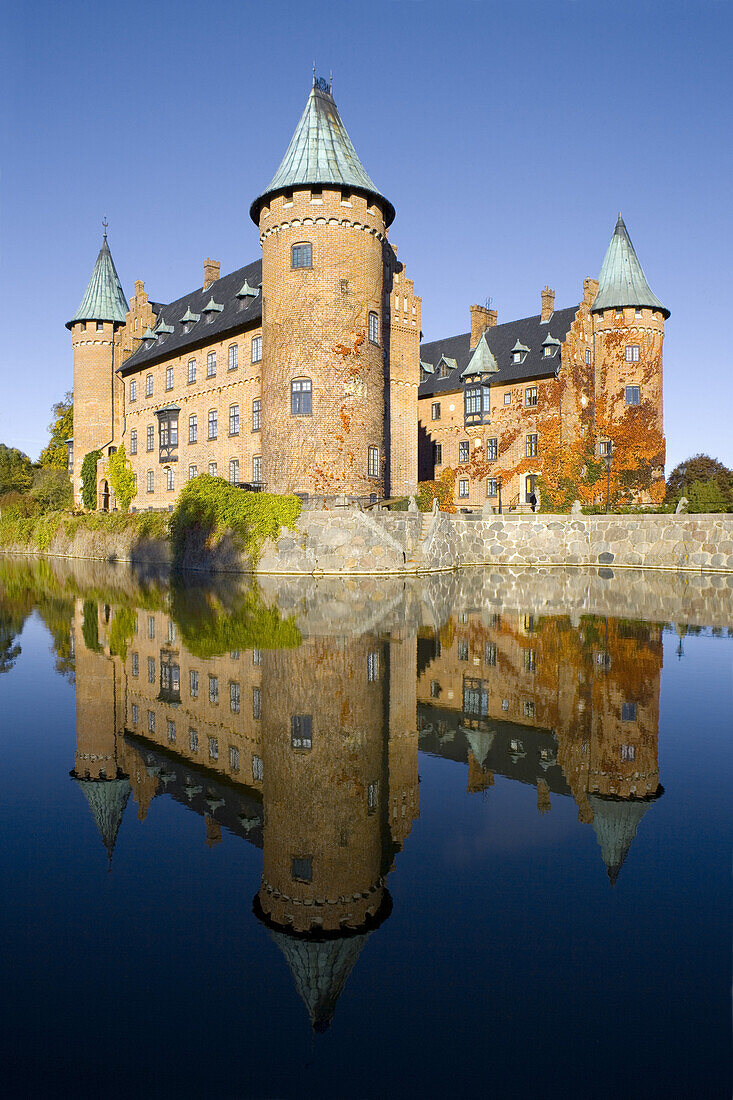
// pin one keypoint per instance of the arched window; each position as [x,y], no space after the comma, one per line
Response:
[234,471]
[301,255]
[373,328]
[301,397]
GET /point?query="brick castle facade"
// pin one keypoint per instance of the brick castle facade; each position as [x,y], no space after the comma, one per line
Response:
[303,371]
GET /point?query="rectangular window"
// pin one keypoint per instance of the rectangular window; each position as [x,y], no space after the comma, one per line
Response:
[234,471]
[257,770]
[233,362]
[301,397]
[256,656]
[171,731]
[632,353]
[492,487]
[193,683]
[463,451]
[587,357]
[133,390]
[256,349]
[151,670]
[372,667]
[257,470]
[169,378]
[213,748]
[193,739]
[462,650]
[475,698]
[301,869]
[135,714]
[373,328]
[256,703]
[213,689]
[372,796]
[438,454]
[169,479]
[135,664]
[149,386]
[234,758]
[302,255]
[256,414]
[605,447]
[490,654]
[628,753]
[492,449]
[211,364]
[528,708]
[472,401]
[151,721]
[213,423]
[463,487]
[373,462]
[435,689]
[151,438]
[530,660]
[191,371]
[530,396]
[193,472]
[133,441]
[212,469]
[150,482]
[435,410]
[193,428]
[507,399]
[531,446]
[234,419]
[301,731]
[628,712]
[235,694]
[632,395]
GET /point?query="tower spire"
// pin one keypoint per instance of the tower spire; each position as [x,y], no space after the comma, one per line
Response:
[104,298]
[622,281]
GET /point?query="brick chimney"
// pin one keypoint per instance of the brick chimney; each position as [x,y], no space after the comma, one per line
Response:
[481,319]
[548,304]
[211,272]
[590,289]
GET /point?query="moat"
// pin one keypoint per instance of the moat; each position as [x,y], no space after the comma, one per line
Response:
[454,834]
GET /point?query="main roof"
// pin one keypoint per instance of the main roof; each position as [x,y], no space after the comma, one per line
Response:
[622,281]
[531,332]
[321,152]
[240,308]
[104,298]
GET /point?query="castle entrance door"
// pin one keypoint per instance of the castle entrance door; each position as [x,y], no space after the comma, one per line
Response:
[105,496]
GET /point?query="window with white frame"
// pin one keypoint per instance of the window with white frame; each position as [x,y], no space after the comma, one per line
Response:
[213,423]
[213,748]
[632,395]
[150,438]
[193,683]
[169,378]
[234,758]
[438,454]
[193,471]
[135,714]
[193,428]
[492,487]
[463,487]
[233,362]
[151,670]
[135,664]
[628,753]
[373,328]
[133,441]
[235,695]
[211,364]
[212,469]
[133,389]
[462,651]
[151,721]
[213,689]
[373,462]
[605,447]
[530,447]
[301,732]
[256,703]
[632,353]
[149,386]
[492,449]
[435,410]
[372,667]
[256,414]
[169,479]
[257,469]
[234,471]
[372,796]
[301,397]
[191,371]
[530,396]
[257,769]
[301,255]
[151,482]
[193,739]
[587,357]
[256,349]
[463,451]
[171,731]
[507,398]
[234,419]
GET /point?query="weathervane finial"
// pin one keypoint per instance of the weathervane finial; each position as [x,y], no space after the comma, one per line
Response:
[105,223]
[314,74]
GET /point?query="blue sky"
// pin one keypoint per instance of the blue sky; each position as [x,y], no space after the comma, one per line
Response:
[507,135]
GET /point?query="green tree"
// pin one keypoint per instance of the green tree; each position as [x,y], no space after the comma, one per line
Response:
[52,489]
[16,470]
[700,468]
[89,479]
[55,453]
[121,478]
[706,496]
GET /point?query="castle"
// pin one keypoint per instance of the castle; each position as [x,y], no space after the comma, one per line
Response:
[303,371]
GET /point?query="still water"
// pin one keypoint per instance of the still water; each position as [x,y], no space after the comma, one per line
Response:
[456,836]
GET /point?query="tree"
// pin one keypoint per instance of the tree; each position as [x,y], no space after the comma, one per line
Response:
[16,470]
[700,468]
[89,479]
[55,453]
[121,478]
[52,489]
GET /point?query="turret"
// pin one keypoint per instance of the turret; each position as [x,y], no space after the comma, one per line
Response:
[628,332]
[94,328]
[323,229]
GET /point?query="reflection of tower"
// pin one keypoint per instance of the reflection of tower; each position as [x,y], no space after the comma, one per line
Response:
[326,788]
[98,768]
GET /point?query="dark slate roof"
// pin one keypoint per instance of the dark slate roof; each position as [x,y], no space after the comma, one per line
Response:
[321,152]
[231,318]
[104,298]
[530,331]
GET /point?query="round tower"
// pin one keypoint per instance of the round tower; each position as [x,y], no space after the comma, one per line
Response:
[628,327]
[323,228]
[94,328]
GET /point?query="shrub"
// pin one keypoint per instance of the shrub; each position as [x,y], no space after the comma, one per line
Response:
[121,478]
[208,629]
[89,480]
[122,631]
[441,490]
[52,489]
[211,506]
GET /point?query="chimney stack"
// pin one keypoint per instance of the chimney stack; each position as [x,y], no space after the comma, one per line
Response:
[590,289]
[548,304]
[211,272]
[481,319]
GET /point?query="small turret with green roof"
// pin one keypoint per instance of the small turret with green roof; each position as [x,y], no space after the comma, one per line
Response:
[104,298]
[622,281]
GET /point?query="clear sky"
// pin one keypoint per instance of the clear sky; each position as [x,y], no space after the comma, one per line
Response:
[508,136]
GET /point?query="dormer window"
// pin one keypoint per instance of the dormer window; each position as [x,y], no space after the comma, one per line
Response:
[519,351]
[443,372]
[547,351]
[517,357]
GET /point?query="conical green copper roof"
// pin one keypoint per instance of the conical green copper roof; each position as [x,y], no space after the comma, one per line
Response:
[482,361]
[615,821]
[320,969]
[321,153]
[107,799]
[104,298]
[622,281]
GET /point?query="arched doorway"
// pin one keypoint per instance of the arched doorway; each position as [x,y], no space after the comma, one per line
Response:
[530,489]
[104,496]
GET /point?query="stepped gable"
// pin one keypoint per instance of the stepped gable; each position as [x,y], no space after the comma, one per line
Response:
[501,339]
[104,298]
[320,970]
[236,313]
[321,153]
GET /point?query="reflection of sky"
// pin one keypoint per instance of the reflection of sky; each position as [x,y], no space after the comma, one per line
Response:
[508,963]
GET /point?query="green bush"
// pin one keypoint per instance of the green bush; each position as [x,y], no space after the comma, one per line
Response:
[210,506]
[122,630]
[121,478]
[89,480]
[208,629]
[52,489]
[21,527]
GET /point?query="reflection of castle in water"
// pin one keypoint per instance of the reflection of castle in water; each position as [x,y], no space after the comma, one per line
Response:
[311,752]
